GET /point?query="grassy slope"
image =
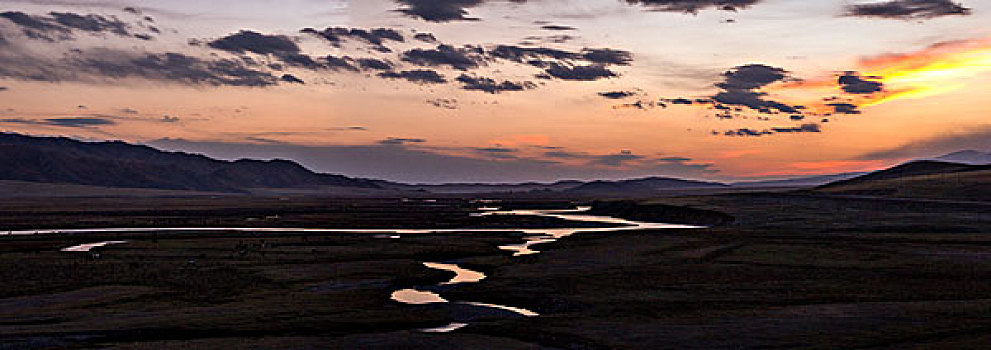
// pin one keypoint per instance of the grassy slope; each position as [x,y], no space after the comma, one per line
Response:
[968,185]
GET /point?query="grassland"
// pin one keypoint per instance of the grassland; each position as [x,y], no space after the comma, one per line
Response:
[791,270]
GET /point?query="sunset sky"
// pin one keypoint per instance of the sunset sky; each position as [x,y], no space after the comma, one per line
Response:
[509,90]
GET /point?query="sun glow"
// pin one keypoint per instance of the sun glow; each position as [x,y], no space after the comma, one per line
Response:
[933,71]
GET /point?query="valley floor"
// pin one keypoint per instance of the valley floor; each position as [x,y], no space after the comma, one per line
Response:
[793,270]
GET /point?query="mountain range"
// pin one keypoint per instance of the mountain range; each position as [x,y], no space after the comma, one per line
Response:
[27,162]
[115,164]
[118,164]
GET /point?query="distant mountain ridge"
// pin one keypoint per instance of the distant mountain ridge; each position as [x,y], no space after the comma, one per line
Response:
[119,164]
[971,157]
[116,164]
[644,185]
[804,181]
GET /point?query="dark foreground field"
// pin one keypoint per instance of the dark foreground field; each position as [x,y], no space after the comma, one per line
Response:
[792,270]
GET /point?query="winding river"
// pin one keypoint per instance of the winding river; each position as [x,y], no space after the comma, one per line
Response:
[531,239]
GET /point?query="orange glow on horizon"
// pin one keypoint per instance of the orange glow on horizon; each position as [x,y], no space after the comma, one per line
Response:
[823,167]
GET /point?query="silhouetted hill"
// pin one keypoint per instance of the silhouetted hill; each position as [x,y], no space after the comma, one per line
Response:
[920,179]
[118,164]
[465,188]
[641,186]
[915,168]
[805,181]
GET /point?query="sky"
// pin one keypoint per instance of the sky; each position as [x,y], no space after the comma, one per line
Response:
[432,91]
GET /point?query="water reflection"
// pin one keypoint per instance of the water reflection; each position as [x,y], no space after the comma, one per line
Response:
[445,329]
[416,297]
[89,246]
[463,275]
[518,310]
[531,238]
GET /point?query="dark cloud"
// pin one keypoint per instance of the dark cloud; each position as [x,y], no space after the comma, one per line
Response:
[100,65]
[641,105]
[281,47]
[375,37]
[4,88]
[853,83]
[425,37]
[462,58]
[420,76]
[58,26]
[285,49]
[292,79]
[693,6]
[91,23]
[564,155]
[38,27]
[908,9]
[305,61]
[457,10]
[751,76]
[439,10]
[615,95]
[747,132]
[589,64]
[399,141]
[813,128]
[70,122]
[498,152]
[446,103]
[741,88]
[339,63]
[607,56]
[558,39]
[374,64]
[616,159]
[180,68]
[754,100]
[250,41]
[556,27]
[675,160]
[531,55]
[581,73]
[169,119]
[492,86]
[844,108]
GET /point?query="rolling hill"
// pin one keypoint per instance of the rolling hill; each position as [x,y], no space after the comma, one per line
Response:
[920,179]
[121,165]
